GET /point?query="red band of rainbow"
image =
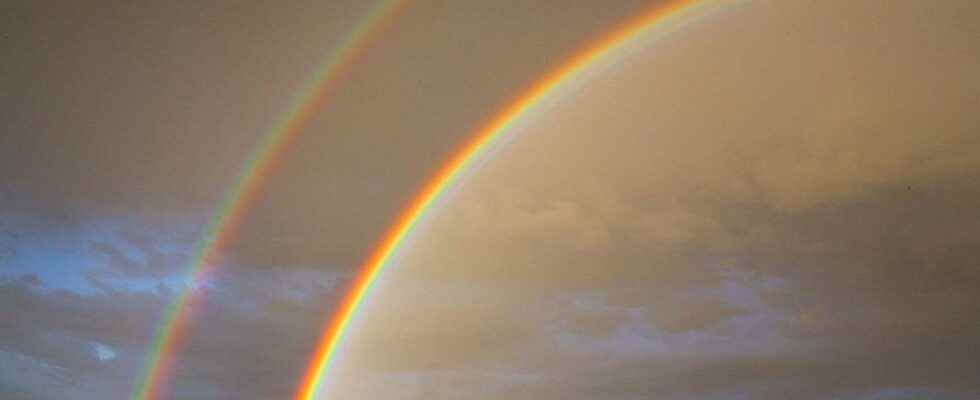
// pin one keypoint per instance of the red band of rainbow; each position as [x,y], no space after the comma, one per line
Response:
[158,363]
[661,18]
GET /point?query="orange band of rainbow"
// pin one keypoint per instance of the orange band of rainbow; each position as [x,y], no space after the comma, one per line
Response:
[662,18]
[159,360]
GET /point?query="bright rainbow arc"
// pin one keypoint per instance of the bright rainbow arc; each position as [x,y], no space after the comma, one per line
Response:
[222,226]
[669,16]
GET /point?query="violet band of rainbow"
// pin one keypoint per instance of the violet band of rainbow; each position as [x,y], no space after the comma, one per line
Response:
[655,22]
[158,363]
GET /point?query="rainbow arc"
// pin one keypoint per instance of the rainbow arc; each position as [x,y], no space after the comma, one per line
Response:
[158,364]
[657,21]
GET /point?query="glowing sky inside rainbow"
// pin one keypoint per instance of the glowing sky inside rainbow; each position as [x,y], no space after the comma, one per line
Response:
[655,22]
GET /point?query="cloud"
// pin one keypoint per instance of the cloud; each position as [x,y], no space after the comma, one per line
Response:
[779,202]
[776,214]
[250,338]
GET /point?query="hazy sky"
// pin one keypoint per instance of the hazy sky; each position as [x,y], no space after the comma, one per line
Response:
[779,201]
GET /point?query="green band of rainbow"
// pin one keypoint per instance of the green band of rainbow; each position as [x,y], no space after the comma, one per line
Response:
[158,363]
[659,20]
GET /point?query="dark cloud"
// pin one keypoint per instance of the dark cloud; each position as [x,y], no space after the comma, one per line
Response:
[776,202]
[250,339]
[154,263]
[50,337]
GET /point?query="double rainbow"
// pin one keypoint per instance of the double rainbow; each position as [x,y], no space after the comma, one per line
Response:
[657,21]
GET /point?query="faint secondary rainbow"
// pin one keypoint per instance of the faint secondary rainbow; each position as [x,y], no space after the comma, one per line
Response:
[660,19]
[221,228]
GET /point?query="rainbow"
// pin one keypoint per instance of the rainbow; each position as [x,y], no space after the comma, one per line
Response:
[158,363]
[660,19]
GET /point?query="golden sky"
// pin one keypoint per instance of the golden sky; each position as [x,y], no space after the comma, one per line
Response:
[778,201]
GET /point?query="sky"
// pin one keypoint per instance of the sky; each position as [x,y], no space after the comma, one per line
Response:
[777,201]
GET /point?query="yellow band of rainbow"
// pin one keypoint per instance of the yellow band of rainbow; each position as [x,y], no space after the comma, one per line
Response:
[221,228]
[660,19]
